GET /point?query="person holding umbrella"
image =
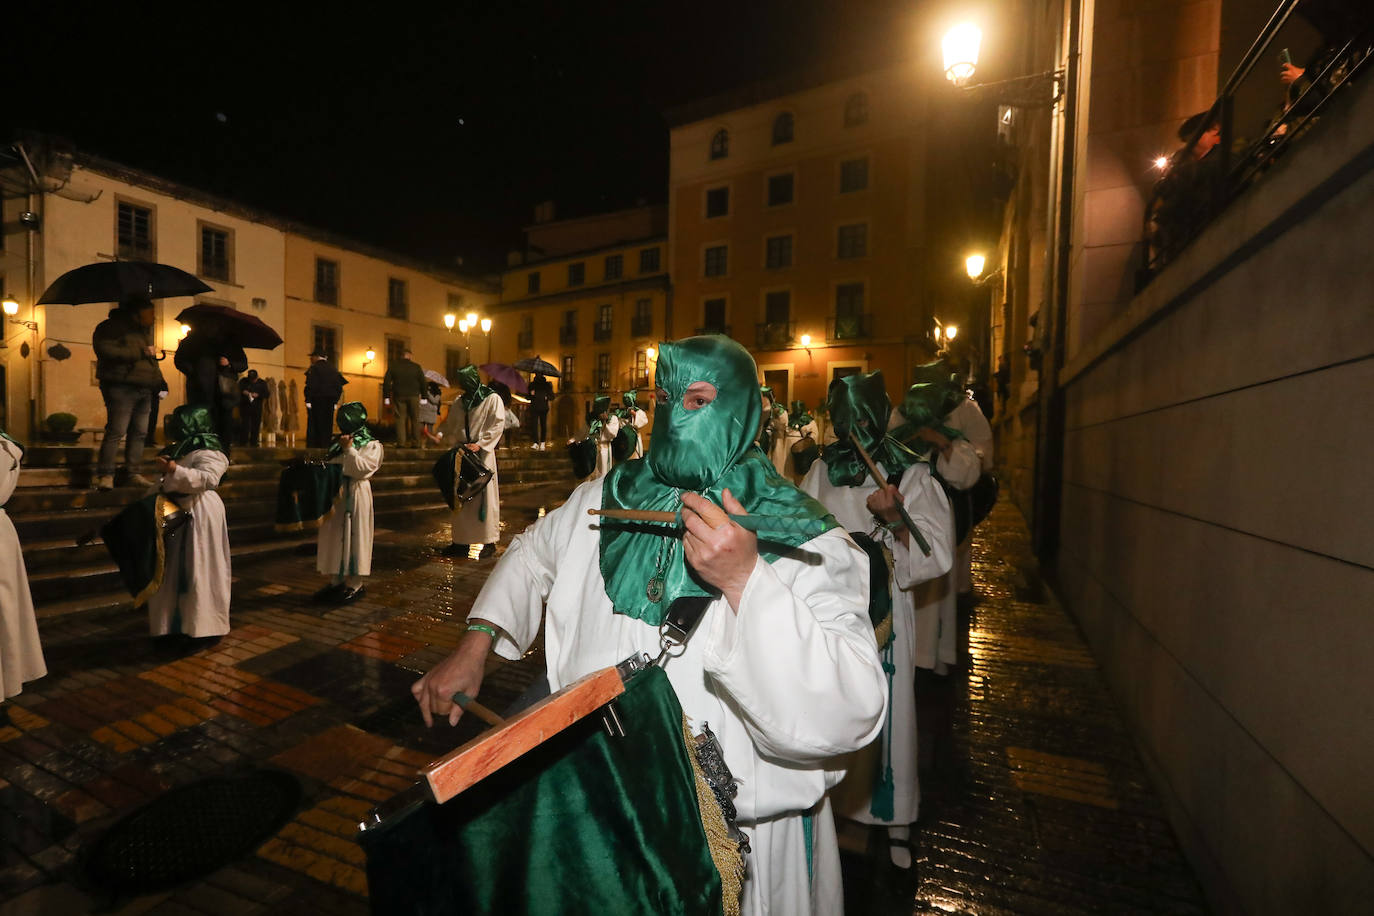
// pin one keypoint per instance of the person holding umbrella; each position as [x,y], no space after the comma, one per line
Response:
[402,387]
[211,364]
[345,543]
[127,368]
[541,393]
[323,389]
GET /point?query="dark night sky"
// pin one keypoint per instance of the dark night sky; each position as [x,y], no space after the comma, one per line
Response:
[429,129]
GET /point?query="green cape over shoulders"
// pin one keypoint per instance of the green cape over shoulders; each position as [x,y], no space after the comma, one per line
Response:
[703,451]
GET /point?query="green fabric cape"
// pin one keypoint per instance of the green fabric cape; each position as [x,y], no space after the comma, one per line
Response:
[702,451]
[352,420]
[583,823]
[305,495]
[859,407]
[474,392]
[920,408]
[192,429]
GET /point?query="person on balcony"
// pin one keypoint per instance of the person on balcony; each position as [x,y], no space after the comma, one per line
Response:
[1184,195]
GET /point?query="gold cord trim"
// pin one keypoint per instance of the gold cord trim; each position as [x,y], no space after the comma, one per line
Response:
[725,853]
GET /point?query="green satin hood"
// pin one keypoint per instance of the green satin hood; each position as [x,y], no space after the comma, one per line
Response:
[798,416]
[703,451]
[859,407]
[923,405]
[352,419]
[192,429]
[470,381]
[944,382]
[630,399]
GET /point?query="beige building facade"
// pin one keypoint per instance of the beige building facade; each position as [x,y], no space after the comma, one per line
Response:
[88,210]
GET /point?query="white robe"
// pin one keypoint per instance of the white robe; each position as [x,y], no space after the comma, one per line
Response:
[199,548]
[968,419]
[609,430]
[639,420]
[795,435]
[478,521]
[345,541]
[777,451]
[789,685]
[21,654]
[914,626]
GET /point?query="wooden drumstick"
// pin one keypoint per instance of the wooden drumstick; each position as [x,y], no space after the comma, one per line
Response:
[882,485]
[468,704]
[761,524]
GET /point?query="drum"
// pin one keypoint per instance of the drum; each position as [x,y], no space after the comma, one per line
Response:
[613,814]
[136,539]
[804,454]
[582,453]
[306,494]
[461,476]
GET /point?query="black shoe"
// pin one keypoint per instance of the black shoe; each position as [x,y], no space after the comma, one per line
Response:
[330,592]
[351,595]
[487,550]
[456,550]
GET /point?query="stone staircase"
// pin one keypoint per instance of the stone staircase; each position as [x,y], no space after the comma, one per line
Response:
[53,506]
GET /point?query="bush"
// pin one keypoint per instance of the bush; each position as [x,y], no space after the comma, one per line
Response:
[60,422]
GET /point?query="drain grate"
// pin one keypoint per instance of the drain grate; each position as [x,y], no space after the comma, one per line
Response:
[191,831]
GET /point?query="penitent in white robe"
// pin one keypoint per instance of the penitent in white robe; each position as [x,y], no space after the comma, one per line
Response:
[789,685]
[968,419]
[795,435]
[345,540]
[196,580]
[777,451]
[609,430]
[21,655]
[640,421]
[915,623]
[478,521]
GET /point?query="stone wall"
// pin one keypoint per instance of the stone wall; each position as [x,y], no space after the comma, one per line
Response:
[1216,533]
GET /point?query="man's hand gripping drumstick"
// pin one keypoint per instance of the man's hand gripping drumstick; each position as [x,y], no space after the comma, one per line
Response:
[461,672]
[722,553]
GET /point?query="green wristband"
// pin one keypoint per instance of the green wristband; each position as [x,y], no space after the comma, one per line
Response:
[482,628]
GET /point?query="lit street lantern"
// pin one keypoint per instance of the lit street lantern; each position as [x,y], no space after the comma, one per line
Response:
[974,265]
[449,320]
[960,47]
[11,306]
[486,325]
[950,331]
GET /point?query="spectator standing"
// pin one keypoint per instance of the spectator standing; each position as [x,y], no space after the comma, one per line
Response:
[323,389]
[253,395]
[402,387]
[540,394]
[127,368]
[1003,377]
[154,408]
[429,413]
[212,366]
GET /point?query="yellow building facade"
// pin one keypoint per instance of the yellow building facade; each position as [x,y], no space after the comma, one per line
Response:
[86,210]
[797,226]
[597,314]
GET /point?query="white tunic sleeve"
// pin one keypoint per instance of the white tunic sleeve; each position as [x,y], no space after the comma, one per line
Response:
[360,464]
[488,423]
[969,420]
[196,472]
[799,659]
[928,507]
[610,428]
[962,468]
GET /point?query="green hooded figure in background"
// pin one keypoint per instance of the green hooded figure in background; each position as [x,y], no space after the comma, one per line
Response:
[191,429]
[704,450]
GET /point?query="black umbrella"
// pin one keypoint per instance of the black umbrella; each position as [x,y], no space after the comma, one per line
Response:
[111,281]
[231,326]
[535,364]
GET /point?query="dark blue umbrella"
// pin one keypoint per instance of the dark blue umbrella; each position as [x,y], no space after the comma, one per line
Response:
[111,281]
[535,364]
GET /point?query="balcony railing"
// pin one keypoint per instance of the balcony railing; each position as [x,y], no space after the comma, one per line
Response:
[849,327]
[774,334]
[525,340]
[601,331]
[642,325]
[567,334]
[715,329]
[1192,190]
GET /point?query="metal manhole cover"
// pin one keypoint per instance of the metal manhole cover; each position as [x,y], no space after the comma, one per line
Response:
[191,831]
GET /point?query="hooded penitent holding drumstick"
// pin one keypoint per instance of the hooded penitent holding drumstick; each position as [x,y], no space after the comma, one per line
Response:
[782,664]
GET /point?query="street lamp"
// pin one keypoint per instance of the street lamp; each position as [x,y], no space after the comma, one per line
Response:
[369,357]
[11,306]
[974,265]
[951,331]
[449,320]
[486,329]
[806,341]
[960,46]
[472,319]
[185,329]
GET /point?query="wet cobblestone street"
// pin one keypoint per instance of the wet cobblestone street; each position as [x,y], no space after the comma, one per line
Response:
[1034,798]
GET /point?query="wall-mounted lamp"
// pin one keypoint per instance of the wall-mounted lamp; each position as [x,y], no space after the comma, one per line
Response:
[806,342]
[951,331]
[11,308]
[960,48]
[185,329]
[449,320]
[369,357]
[973,264]
[650,354]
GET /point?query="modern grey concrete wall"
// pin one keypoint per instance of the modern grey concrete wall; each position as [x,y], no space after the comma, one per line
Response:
[1218,528]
